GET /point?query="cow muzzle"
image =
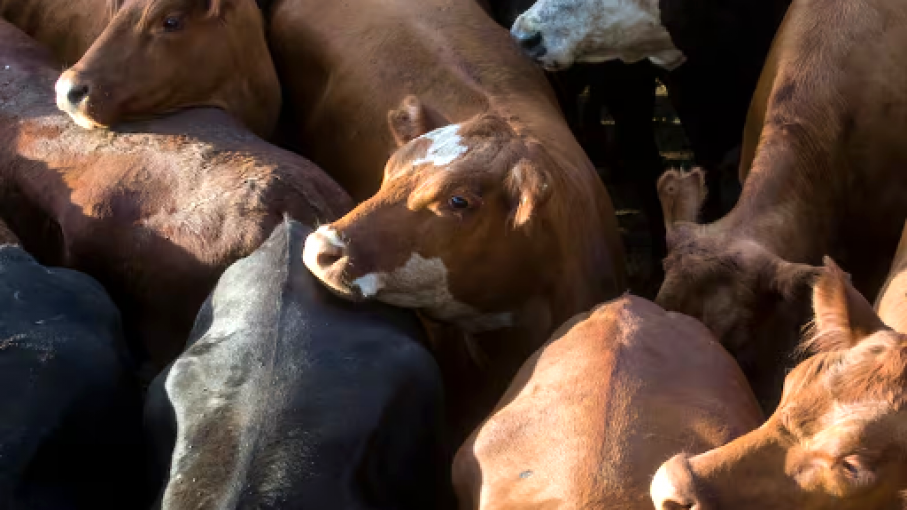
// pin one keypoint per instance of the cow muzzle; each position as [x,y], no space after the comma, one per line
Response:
[326,254]
[672,488]
[73,96]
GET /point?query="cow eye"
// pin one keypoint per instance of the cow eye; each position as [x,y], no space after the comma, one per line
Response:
[457,202]
[856,470]
[172,23]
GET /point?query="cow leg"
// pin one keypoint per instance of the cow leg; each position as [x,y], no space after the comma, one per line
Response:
[628,91]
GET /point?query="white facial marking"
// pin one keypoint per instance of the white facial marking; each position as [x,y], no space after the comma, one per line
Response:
[422,283]
[368,285]
[446,146]
[330,235]
[62,88]
[584,31]
[661,488]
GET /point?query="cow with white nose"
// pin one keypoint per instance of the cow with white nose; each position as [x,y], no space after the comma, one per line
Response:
[477,227]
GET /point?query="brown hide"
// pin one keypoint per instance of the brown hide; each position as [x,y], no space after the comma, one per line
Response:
[155,211]
[345,65]
[66,27]
[836,441]
[591,416]
[826,179]
[892,301]
[160,56]
[494,221]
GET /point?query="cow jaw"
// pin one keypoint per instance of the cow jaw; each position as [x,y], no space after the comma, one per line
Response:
[557,33]
[420,283]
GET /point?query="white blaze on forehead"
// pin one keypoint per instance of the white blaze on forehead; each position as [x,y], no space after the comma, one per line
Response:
[446,146]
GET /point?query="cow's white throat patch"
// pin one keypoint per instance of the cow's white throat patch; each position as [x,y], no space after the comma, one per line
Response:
[446,146]
[422,283]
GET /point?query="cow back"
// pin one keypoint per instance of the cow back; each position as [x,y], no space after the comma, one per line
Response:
[288,397]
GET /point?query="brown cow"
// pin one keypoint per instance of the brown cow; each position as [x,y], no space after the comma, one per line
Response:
[67,28]
[155,211]
[349,63]
[591,416]
[158,56]
[482,225]
[838,440]
[490,216]
[824,128]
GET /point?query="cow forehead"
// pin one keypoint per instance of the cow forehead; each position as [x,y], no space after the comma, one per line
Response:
[446,146]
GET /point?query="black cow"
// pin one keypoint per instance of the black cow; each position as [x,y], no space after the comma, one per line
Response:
[289,397]
[70,413]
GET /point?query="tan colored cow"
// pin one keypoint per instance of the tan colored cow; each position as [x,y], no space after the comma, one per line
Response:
[160,56]
[66,28]
[592,414]
[822,162]
[155,210]
[838,440]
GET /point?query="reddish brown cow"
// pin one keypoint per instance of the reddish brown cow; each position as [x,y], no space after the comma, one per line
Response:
[592,414]
[826,178]
[67,28]
[347,64]
[158,56]
[490,216]
[838,440]
[480,225]
[154,211]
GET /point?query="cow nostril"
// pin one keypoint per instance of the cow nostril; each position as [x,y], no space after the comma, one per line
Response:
[673,505]
[77,93]
[329,258]
[531,41]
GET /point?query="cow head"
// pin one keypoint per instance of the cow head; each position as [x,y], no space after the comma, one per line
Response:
[557,33]
[749,297]
[837,441]
[456,229]
[158,56]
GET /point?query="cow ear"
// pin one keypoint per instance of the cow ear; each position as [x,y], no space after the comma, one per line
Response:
[790,279]
[681,195]
[528,188]
[409,121]
[843,316]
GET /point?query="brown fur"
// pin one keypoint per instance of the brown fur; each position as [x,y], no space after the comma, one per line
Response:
[67,28]
[825,179]
[837,440]
[592,414]
[154,211]
[539,239]
[218,58]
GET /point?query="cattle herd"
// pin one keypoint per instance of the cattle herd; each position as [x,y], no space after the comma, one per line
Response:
[354,254]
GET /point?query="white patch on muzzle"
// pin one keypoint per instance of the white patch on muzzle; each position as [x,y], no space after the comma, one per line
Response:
[422,284]
[662,489]
[598,31]
[62,89]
